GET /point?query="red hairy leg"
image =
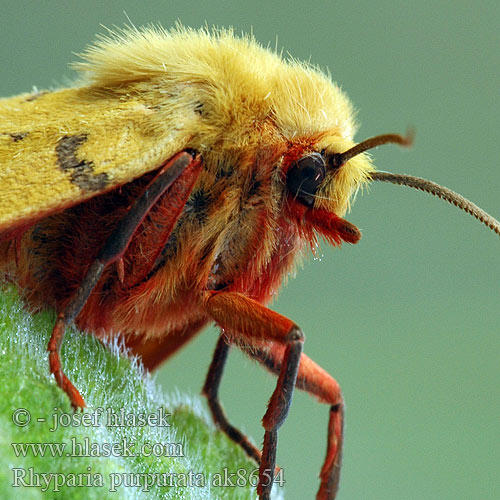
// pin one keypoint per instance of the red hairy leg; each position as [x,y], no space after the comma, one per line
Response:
[316,381]
[240,316]
[113,249]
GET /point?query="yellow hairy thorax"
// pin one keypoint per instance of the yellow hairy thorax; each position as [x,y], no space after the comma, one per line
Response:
[144,95]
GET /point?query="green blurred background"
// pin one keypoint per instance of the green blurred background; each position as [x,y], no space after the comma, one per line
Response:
[407,320]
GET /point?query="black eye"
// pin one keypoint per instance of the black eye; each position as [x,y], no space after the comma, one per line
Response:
[304,177]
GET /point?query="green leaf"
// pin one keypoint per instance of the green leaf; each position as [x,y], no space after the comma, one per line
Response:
[192,450]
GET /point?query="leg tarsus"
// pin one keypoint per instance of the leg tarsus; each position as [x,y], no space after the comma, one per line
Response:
[280,401]
[277,411]
[54,347]
[330,472]
[267,465]
[316,381]
[210,391]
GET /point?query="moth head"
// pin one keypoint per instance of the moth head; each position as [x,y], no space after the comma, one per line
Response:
[321,183]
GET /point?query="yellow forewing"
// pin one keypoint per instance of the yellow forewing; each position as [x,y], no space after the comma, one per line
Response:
[60,148]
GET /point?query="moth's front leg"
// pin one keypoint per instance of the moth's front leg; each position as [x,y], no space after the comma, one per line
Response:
[245,320]
[181,167]
[316,381]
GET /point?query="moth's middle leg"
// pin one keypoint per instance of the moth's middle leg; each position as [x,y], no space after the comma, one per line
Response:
[243,318]
[211,390]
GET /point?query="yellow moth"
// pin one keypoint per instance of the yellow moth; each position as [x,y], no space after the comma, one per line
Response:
[175,185]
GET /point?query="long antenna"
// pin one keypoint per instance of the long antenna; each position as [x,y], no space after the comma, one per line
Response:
[338,159]
[441,192]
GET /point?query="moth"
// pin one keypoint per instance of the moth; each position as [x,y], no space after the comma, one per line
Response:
[177,184]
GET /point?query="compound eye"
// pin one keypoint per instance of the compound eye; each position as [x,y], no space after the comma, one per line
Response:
[304,177]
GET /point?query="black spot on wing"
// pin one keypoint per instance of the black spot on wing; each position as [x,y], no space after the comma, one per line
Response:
[81,171]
